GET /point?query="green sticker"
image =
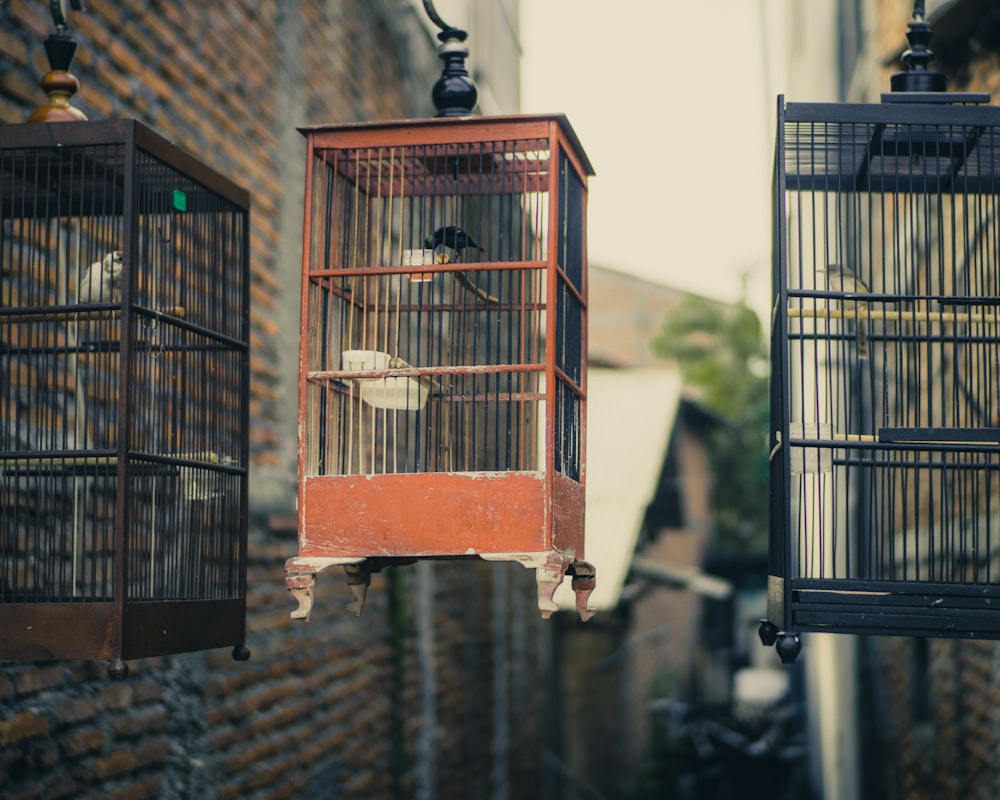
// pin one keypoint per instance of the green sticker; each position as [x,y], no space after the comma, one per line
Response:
[180,200]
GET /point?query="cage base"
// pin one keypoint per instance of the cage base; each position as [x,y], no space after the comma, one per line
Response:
[550,570]
[895,608]
[109,631]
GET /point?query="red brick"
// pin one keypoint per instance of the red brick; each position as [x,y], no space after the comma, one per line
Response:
[94,31]
[146,789]
[148,691]
[36,21]
[12,112]
[151,753]
[118,763]
[13,48]
[116,696]
[63,785]
[26,725]
[76,710]
[86,741]
[15,85]
[37,679]
[143,721]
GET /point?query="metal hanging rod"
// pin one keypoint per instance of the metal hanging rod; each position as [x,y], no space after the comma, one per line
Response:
[435,17]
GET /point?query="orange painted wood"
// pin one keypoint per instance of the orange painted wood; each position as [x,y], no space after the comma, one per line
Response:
[433,514]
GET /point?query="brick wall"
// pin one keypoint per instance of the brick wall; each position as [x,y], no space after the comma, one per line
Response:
[385,705]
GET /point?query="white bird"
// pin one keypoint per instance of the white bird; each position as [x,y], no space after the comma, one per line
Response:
[841,279]
[102,282]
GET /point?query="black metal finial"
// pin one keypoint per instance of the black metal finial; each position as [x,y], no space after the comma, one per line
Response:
[455,93]
[916,76]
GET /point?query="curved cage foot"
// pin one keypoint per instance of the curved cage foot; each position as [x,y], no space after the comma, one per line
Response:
[359,578]
[584,583]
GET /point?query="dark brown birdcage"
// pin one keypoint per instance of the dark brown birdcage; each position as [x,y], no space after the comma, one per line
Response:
[124,328]
[443,349]
[886,369]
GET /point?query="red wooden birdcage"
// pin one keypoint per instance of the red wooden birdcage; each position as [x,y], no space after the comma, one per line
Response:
[442,376]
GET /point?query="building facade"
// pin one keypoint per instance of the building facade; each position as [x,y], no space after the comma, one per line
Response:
[438,690]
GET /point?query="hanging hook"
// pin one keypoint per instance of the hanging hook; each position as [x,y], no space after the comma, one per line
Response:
[60,12]
[435,17]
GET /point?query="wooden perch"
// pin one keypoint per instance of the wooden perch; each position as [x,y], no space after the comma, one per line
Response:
[76,316]
[940,317]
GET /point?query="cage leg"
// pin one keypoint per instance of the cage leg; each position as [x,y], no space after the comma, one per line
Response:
[788,647]
[300,579]
[241,653]
[358,580]
[584,582]
[786,644]
[549,576]
[118,669]
[768,633]
[301,584]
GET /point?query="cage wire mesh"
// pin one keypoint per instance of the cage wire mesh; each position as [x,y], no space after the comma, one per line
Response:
[886,381]
[123,370]
[427,302]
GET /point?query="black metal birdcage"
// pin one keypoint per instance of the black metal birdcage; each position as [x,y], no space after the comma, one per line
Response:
[885,411]
[124,328]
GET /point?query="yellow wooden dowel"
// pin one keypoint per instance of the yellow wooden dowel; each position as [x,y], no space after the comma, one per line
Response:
[940,317]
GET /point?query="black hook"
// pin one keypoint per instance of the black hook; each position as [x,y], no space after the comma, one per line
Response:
[60,12]
[435,17]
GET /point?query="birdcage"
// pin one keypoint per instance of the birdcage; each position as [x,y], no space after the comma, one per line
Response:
[886,369]
[443,349]
[123,396]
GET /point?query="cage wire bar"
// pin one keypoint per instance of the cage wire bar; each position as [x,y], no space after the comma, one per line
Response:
[443,350]
[886,379]
[124,396]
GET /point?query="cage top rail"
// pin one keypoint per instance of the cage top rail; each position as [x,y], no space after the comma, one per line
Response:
[447,131]
[56,138]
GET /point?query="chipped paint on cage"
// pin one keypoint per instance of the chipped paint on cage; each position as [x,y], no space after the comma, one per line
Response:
[440,514]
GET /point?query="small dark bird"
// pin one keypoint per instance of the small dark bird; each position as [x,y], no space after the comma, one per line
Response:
[449,242]
[452,237]
[841,279]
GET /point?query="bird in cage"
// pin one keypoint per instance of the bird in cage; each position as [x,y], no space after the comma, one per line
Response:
[453,238]
[842,279]
[102,282]
[449,244]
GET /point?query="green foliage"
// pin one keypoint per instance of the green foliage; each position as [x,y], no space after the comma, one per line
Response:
[722,353]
